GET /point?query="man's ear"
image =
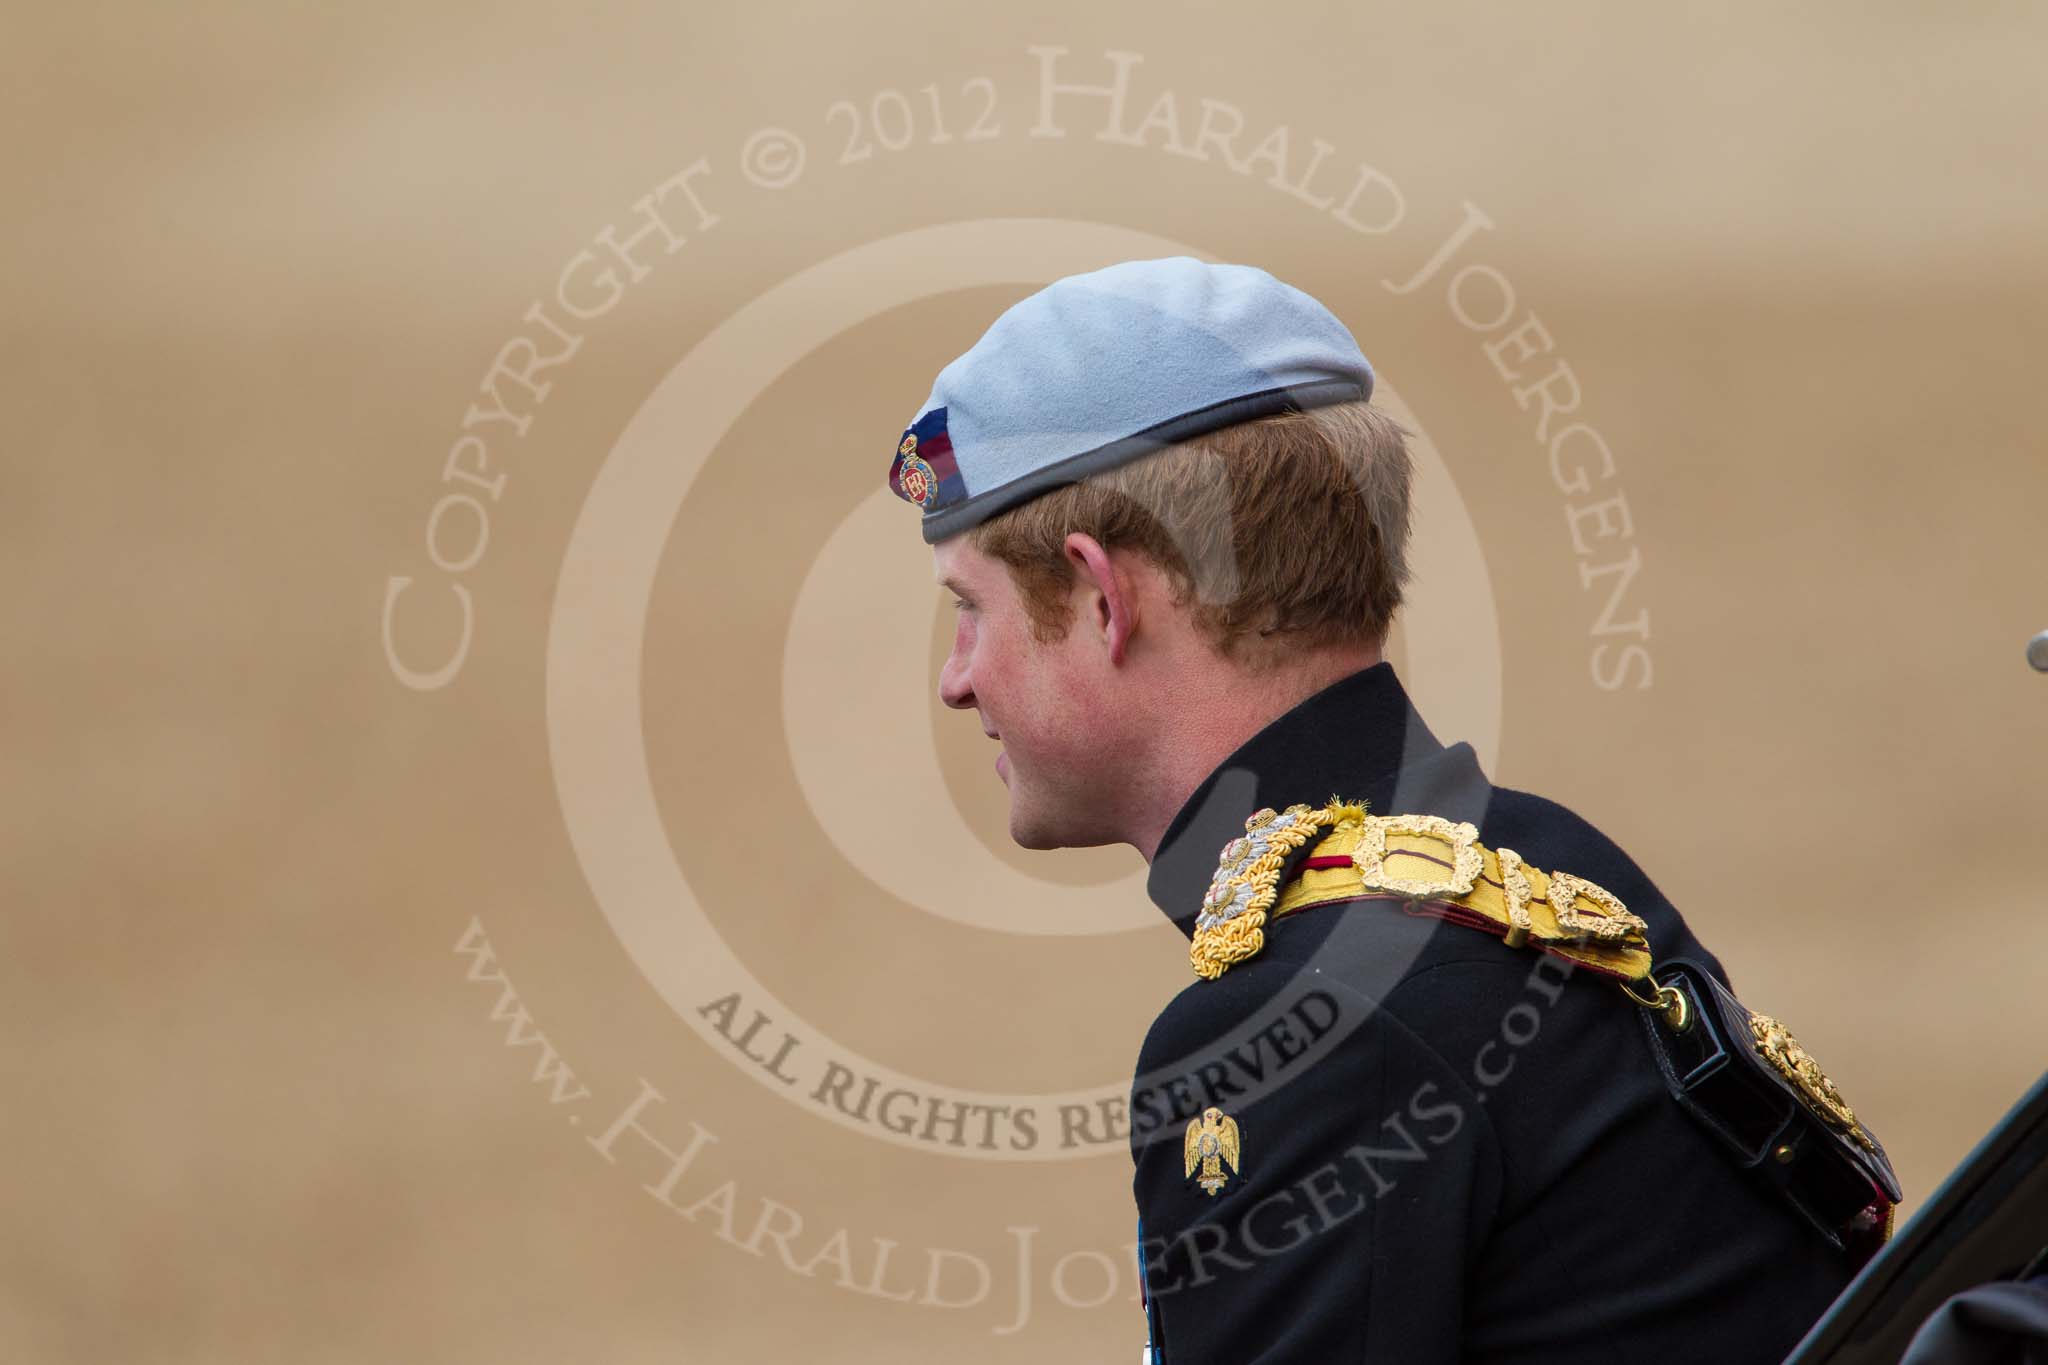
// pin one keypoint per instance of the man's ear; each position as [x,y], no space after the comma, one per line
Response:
[1109,601]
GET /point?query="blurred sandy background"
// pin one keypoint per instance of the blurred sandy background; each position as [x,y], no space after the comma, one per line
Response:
[261,258]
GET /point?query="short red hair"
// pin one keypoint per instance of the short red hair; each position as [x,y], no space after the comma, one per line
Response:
[1291,530]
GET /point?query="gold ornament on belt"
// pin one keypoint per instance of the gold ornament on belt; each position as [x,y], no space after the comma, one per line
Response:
[1796,1065]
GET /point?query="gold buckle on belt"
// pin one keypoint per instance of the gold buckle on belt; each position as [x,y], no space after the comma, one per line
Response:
[1370,857]
[1613,920]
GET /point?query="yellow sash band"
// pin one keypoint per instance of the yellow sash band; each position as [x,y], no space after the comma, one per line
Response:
[1434,866]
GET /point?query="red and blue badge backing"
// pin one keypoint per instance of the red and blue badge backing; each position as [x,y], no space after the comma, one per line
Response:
[925,471]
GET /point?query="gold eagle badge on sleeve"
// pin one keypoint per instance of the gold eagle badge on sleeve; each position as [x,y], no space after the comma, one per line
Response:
[1212,1140]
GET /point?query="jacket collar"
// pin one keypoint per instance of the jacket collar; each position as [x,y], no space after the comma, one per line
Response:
[1360,737]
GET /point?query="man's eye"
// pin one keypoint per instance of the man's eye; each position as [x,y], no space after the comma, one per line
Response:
[959,604]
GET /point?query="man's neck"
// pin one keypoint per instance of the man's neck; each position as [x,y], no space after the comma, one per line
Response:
[1214,713]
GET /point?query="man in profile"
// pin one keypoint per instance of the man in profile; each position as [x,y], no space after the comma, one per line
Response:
[1410,1106]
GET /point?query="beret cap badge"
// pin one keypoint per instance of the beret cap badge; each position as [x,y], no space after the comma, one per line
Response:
[925,472]
[914,477]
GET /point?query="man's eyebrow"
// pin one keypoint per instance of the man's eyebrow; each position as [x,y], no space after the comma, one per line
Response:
[953,587]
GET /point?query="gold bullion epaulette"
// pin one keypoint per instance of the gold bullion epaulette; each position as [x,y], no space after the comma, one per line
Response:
[1435,866]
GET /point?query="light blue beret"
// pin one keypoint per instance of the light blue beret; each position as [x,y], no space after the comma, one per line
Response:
[1096,370]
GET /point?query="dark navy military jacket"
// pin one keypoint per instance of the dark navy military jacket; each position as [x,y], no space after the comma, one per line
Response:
[1448,1149]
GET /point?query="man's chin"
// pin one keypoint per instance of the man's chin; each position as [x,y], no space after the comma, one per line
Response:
[1026,830]
[1039,834]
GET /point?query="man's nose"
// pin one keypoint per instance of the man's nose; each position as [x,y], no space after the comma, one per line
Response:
[955,689]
